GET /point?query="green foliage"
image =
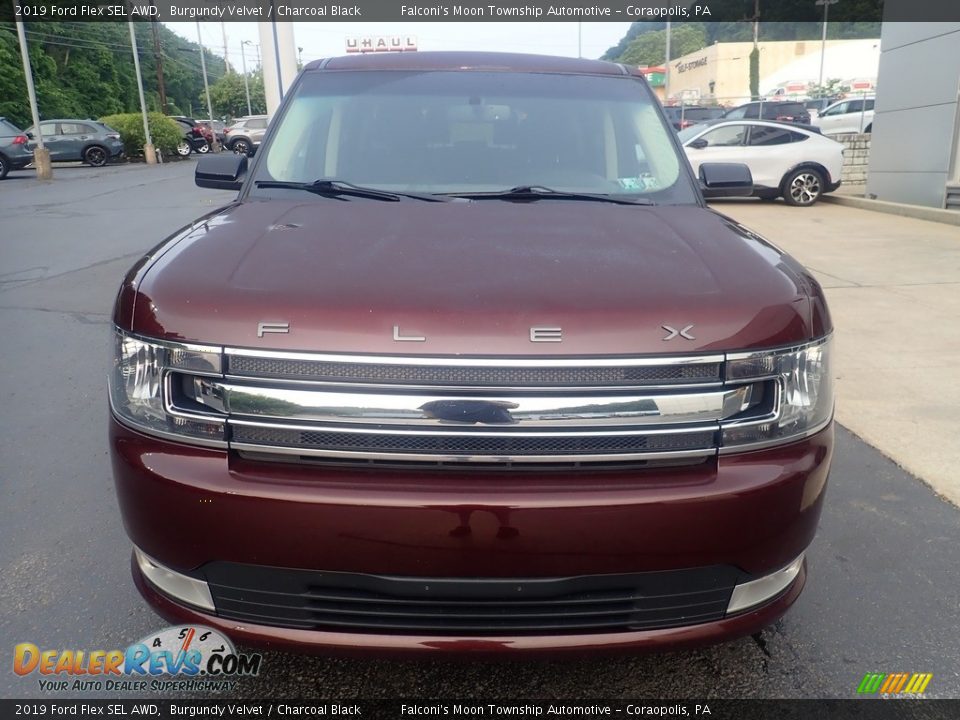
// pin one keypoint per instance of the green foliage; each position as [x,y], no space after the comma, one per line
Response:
[164,132]
[229,96]
[651,47]
[86,70]
[755,73]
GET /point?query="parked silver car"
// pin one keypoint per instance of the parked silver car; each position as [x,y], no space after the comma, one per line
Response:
[88,140]
[246,133]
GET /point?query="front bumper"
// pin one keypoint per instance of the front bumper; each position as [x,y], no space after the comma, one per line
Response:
[188,507]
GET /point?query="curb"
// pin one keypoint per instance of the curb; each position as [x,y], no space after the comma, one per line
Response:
[949,217]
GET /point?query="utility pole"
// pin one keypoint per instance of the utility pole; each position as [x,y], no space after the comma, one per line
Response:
[666,67]
[823,43]
[149,153]
[158,60]
[41,156]
[579,39]
[214,145]
[246,80]
[226,58]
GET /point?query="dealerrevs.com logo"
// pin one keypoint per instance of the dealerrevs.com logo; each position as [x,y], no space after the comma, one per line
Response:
[179,658]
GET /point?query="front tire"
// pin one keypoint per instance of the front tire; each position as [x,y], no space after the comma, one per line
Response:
[803,187]
[183,148]
[95,156]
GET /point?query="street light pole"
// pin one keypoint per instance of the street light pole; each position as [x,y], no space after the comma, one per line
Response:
[41,156]
[149,152]
[823,42]
[579,39]
[246,80]
[214,145]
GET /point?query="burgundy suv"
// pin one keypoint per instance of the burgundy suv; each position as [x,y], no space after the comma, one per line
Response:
[469,366]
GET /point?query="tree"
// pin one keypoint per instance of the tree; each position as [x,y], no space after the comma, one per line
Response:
[229,96]
[86,69]
[650,48]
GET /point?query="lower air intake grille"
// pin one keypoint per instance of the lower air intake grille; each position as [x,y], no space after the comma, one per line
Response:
[350,602]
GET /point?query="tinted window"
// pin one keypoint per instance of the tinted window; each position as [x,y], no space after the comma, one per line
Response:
[477,131]
[838,109]
[75,129]
[870,104]
[725,136]
[256,123]
[763,135]
[8,129]
[737,113]
[855,106]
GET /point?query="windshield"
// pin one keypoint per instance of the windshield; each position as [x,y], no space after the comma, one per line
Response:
[464,132]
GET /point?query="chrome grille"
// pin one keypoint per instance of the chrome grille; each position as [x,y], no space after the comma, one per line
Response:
[531,411]
[466,375]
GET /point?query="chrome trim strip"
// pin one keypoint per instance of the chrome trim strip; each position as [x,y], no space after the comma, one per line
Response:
[437,458]
[181,587]
[756,592]
[445,410]
[420,432]
[526,362]
[500,389]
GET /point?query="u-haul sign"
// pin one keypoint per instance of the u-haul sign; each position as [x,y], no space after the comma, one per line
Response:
[381,43]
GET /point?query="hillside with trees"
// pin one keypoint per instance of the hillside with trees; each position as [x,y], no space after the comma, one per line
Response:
[645,42]
[86,70]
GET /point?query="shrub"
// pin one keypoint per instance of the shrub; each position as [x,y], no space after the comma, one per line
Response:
[164,132]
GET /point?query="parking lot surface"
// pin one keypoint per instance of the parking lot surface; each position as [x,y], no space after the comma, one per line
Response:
[882,594]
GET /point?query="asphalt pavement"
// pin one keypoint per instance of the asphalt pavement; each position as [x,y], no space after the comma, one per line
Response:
[882,595]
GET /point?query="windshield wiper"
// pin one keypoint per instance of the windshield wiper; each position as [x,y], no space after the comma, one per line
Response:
[539,192]
[340,188]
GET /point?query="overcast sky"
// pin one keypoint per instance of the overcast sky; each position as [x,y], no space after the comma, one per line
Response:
[320,39]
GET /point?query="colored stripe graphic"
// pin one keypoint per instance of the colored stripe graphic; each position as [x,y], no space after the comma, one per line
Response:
[894,683]
[871,683]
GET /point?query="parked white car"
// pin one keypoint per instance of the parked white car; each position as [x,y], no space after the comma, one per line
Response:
[854,115]
[786,160]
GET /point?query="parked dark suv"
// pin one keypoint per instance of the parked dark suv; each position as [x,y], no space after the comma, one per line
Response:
[782,110]
[469,366]
[14,150]
[684,116]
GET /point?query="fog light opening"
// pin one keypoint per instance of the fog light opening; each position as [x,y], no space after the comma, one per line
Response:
[756,592]
[178,586]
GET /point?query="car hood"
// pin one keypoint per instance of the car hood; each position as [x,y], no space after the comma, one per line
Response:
[474,278]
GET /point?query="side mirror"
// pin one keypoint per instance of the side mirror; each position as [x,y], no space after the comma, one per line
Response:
[29,135]
[720,180]
[699,143]
[225,171]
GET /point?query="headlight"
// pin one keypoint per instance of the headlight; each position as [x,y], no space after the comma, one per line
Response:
[144,379]
[800,403]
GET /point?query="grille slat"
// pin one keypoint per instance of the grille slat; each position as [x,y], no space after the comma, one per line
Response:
[466,375]
[471,444]
[368,603]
